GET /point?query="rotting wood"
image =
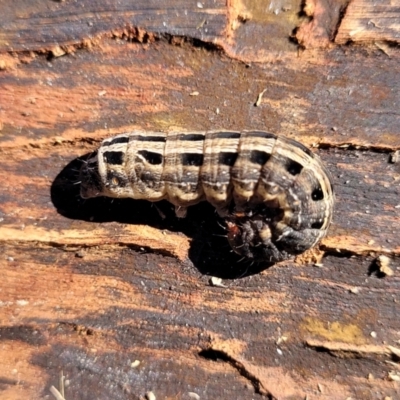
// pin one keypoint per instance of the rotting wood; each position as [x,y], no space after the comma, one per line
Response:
[246,30]
[369,21]
[136,236]
[323,21]
[344,21]
[65,23]
[333,102]
[137,307]
[95,300]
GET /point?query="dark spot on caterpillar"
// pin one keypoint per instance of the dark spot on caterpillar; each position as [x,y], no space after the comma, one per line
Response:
[317,194]
[141,138]
[219,188]
[151,157]
[259,157]
[227,158]
[192,159]
[148,179]
[225,135]
[317,225]
[113,157]
[264,135]
[293,167]
[191,137]
[122,139]
[270,210]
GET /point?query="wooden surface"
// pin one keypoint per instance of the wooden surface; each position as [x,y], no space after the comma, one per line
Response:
[89,287]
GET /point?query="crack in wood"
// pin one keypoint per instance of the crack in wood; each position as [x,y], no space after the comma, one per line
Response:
[214,355]
[272,382]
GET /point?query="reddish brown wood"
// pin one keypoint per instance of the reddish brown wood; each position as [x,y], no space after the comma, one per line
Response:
[344,21]
[368,21]
[324,18]
[43,26]
[88,287]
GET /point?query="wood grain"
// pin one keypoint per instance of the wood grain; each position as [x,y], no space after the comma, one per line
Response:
[368,21]
[343,21]
[320,99]
[246,29]
[320,27]
[44,26]
[84,284]
[88,287]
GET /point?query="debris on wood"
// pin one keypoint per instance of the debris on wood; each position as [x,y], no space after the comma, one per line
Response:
[259,98]
[59,394]
[312,256]
[150,396]
[383,264]
[135,364]
[384,47]
[393,376]
[217,282]
[395,157]
[355,290]
[281,339]
[57,51]
[201,24]
[62,384]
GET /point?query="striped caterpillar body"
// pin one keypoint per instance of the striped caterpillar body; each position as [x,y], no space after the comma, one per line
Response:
[275,195]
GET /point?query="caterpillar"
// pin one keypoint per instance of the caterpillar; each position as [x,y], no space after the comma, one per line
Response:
[275,195]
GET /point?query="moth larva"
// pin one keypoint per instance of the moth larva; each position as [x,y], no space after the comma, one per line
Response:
[273,192]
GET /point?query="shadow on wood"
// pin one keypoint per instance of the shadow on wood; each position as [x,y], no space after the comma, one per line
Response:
[209,252]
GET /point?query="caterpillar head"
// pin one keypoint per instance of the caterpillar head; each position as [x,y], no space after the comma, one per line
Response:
[91,184]
[271,234]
